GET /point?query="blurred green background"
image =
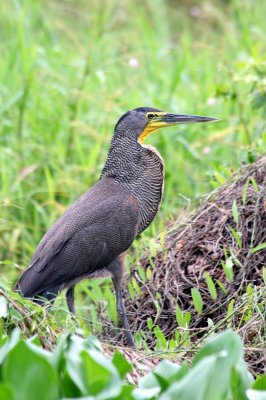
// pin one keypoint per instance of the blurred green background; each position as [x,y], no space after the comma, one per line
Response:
[70,69]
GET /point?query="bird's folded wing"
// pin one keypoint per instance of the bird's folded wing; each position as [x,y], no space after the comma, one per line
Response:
[87,237]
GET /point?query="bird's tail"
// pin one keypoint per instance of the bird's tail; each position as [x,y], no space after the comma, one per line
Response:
[29,287]
[48,295]
[26,285]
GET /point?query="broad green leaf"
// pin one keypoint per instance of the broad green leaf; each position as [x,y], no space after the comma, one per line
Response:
[6,392]
[207,380]
[211,285]
[235,212]
[172,344]
[58,354]
[9,344]
[179,317]
[86,365]
[97,371]
[229,346]
[161,340]
[125,393]
[30,374]
[37,349]
[141,273]
[228,269]
[260,247]
[254,183]
[167,372]
[149,324]
[241,379]
[236,235]
[146,394]
[148,381]
[74,364]
[121,364]
[148,273]
[136,286]
[260,383]
[249,289]
[224,341]
[234,258]
[91,343]
[221,285]
[187,317]
[148,388]
[229,313]
[67,386]
[131,291]
[197,300]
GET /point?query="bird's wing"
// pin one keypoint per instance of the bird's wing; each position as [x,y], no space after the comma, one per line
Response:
[87,237]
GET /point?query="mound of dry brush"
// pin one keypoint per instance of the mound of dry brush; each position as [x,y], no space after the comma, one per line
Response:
[227,228]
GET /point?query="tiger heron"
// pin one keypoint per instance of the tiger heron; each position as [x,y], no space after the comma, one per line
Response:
[91,238]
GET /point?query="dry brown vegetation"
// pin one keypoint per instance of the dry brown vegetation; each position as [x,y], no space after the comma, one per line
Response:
[226,229]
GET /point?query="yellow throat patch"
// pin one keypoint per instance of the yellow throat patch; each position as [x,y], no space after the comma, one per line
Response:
[152,126]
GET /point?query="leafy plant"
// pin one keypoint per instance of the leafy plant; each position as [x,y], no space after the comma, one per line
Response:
[77,368]
[54,134]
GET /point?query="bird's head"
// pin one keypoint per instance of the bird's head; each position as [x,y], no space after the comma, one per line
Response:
[143,121]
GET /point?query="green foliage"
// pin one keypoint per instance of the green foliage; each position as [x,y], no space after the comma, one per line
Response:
[228,269]
[67,74]
[27,370]
[260,246]
[235,212]
[78,369]
[197,300]
[236,235]
[211,285]
[56,130]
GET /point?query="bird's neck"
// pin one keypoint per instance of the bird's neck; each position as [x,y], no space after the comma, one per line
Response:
[128,160]
[140,169]
[122,158]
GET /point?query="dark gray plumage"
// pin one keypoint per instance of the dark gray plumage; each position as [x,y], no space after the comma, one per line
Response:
[90,239]
[80,243]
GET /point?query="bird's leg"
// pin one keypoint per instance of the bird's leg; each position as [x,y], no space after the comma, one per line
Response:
[116,268]
[71,302]
[70,299]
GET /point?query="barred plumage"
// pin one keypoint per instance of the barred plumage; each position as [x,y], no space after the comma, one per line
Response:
[90,239]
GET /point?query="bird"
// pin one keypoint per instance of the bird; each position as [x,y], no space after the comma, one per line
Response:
[92,237]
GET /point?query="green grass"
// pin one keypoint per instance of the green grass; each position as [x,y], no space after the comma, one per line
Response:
[66,78]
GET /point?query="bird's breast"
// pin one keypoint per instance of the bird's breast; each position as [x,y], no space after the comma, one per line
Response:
[149,185]
[139,168]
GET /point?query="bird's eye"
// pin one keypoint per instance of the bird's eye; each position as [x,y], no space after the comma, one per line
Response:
[150,116]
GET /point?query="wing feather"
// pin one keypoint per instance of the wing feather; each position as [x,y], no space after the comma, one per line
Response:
[93,232]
